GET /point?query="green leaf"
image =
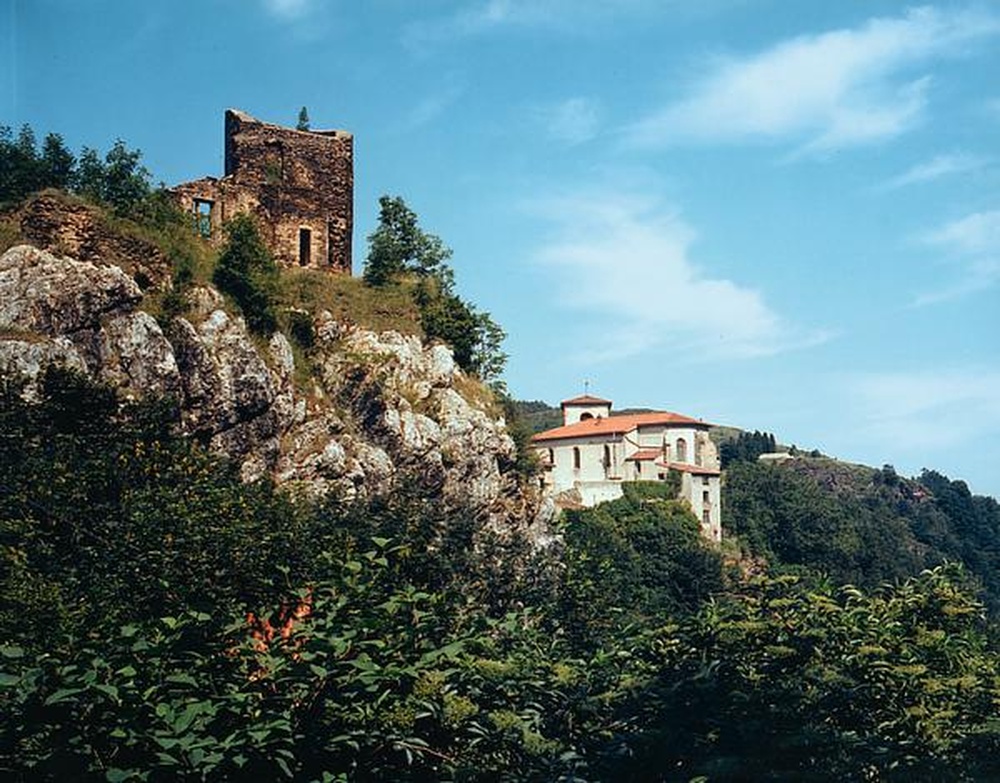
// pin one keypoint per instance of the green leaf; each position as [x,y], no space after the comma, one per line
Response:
[109,690]
[11,651]
[62,695]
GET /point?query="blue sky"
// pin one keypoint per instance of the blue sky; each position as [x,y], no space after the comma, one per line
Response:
[774,214]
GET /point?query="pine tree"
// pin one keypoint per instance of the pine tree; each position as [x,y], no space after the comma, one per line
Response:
[303,123]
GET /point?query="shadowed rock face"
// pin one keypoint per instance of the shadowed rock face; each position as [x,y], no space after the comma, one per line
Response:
[380,408]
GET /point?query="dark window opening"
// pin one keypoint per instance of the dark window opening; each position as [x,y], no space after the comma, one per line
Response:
[305,246]
[576,458]
[586,416]
[203,217]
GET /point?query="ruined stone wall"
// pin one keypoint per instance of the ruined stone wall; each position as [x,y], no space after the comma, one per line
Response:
[306,183]
[299,185]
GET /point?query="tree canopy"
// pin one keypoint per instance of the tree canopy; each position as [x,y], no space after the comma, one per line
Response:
[398,248]
[118,180]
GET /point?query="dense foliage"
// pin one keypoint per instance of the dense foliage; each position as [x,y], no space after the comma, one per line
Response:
[398,247]
[163,621]
[860,525]
[118,180]
[746,447]
[632,561]
[247,272]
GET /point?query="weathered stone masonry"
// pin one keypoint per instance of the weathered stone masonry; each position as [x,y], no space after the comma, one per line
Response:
[298,184]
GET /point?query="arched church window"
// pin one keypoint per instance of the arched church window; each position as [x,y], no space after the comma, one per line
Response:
[682,450]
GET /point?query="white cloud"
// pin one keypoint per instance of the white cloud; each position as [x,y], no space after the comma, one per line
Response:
[839,88]
[573,121]
[936,168]
[626,261]
[288,9]
[971,243]
[433,106]
[934,408]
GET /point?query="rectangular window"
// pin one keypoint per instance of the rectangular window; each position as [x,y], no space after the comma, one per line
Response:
[704,497]
[305,246]
[203,217]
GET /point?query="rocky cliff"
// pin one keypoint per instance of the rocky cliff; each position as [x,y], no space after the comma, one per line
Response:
[369,411]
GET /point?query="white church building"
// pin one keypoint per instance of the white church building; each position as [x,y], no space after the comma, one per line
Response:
[586,460]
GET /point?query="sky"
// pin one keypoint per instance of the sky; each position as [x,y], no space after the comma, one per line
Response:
[770,214]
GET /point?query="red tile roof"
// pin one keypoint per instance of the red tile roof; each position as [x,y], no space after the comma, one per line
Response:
[694,470]
[643,455]
[585,399]
[614,425]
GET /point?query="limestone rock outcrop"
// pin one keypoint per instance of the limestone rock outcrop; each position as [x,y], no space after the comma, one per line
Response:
[370,411]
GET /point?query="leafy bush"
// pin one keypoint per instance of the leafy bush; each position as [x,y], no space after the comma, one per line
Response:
[247,272]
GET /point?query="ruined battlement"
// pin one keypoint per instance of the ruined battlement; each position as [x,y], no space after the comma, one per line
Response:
[298,184]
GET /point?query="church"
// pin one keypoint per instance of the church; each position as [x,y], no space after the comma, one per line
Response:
[586,460]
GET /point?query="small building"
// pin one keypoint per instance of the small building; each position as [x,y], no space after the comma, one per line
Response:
[299,184]
[586,460]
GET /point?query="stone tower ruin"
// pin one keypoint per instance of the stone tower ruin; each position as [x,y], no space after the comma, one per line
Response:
[299,185]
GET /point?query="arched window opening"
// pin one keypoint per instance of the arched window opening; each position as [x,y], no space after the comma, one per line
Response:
[586,416]
[682,450]
[576,458]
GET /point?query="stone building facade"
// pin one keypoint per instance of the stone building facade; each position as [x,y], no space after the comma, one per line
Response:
[298,184]
[586,460]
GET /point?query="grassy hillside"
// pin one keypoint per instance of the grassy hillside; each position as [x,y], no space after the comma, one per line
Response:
[185,259]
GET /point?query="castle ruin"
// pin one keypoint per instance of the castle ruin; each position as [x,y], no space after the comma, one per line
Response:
[298,184]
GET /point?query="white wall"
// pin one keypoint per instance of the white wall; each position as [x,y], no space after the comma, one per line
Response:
[573,413]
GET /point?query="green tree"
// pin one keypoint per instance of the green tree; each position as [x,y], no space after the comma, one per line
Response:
[399,246]
[126,182]
[20,170]
[303,121]
[89,178]
[57,163]
[247,272]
